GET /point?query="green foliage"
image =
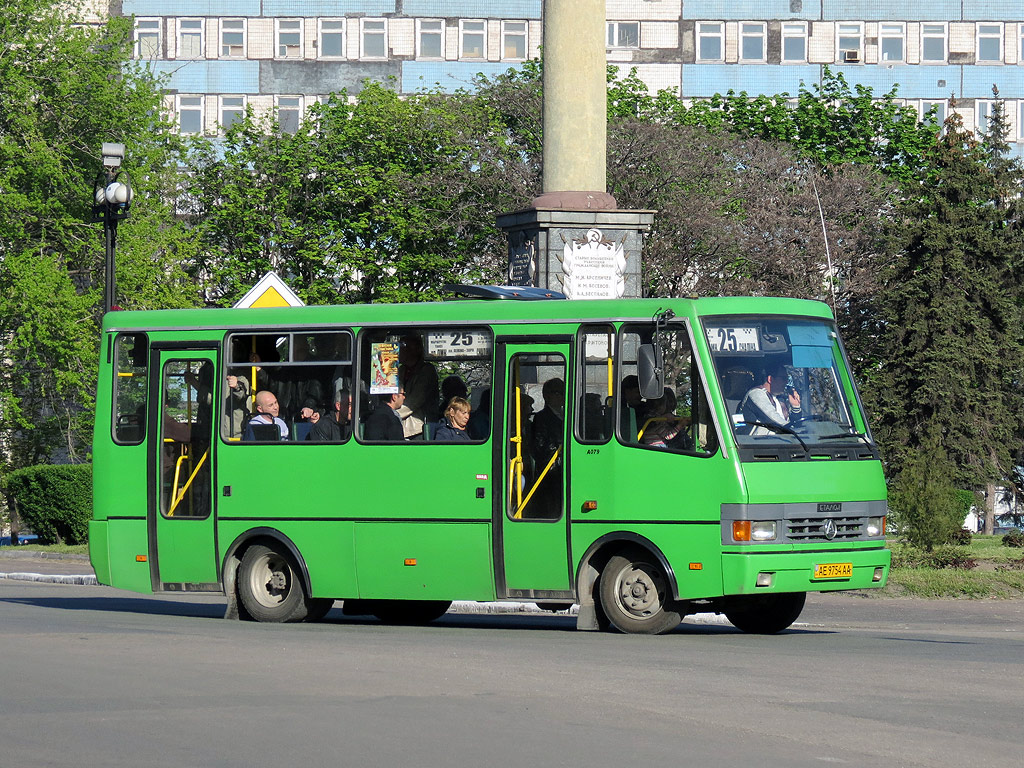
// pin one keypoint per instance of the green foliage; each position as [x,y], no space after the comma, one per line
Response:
[925,505]
[384,199]
[55,501]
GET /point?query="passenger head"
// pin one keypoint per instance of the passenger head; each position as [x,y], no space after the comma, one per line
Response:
[631,390]
[553,392]
[266,402]
[343,404]
[458,411]
[453,386]
[410,352]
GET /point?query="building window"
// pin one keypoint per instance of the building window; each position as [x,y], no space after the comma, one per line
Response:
[289,38]
[472,36]
[623,34]
[190,38]
[513,40]
[190,114]
[429,38]
[849,42]
[289,113]
[794,43]
[1020,121]
[983,110]
[232,38]
[752,36]
[933,43]
[710,42]
[331,38]
[990,43]
[232,110]
[374,34]
[147,38]
[1020,47]
[940,110]
[891,42]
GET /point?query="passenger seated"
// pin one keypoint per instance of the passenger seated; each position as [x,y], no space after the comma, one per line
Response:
[663,427]
[266,419]
[419,382]
[452,429]
[336,426]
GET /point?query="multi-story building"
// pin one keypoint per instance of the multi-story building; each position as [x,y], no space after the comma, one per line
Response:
[222,55]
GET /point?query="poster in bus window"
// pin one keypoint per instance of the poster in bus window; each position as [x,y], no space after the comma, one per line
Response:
[383,368]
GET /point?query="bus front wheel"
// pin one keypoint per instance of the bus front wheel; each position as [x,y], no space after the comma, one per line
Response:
[766,614]
[270,587]
[635,595]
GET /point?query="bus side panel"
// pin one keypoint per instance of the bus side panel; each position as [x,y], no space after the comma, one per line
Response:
[324,545]
[127,541]
[691,550]
[425,561]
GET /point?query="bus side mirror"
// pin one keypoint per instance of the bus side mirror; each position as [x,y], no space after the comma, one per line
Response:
[650,371]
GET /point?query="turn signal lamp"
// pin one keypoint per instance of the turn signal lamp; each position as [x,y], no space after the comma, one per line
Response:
[410,561]
[741,530]
[589,506]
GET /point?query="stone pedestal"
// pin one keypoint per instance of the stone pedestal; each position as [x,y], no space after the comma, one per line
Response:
[585,254]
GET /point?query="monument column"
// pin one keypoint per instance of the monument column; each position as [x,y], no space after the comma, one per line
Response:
[574,238]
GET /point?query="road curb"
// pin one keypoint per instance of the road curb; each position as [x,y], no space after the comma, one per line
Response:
[52,578]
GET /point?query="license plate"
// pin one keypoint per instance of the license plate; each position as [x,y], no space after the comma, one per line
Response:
[833,570]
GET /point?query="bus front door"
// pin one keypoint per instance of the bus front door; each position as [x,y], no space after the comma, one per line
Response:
[182,550]
[533,541]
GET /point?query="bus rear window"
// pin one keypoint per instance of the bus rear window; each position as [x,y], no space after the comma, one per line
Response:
[131,353]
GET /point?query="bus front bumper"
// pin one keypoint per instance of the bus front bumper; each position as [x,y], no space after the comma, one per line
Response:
[750,573]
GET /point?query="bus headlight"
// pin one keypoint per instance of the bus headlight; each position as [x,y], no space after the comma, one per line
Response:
[753,530]
[875,526]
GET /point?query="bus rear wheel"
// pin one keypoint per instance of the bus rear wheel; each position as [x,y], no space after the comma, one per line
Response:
[766,614]
[270,587]
[634,594]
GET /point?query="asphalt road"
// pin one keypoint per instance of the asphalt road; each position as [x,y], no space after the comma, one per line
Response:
[98,677]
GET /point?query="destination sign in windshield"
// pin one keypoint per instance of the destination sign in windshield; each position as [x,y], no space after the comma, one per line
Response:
[733,339]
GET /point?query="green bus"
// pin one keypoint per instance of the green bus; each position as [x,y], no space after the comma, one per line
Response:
[614,457]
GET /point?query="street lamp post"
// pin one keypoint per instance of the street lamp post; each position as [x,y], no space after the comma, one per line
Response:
[112,199]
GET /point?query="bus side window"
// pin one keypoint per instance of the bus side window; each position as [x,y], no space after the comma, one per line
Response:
[130,386]
[428,366]
[594,412]
[680,419]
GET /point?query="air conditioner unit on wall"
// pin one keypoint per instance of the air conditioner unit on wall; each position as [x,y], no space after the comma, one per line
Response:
[851,57]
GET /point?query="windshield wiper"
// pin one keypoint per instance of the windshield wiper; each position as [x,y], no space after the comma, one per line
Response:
[851,433]
[780,428]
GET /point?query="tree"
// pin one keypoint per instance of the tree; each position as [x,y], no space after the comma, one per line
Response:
[948,336]
[64,90]
[384,199]
[926,505]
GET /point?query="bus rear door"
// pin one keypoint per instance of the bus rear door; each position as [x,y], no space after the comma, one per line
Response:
[532,557]
[182,548]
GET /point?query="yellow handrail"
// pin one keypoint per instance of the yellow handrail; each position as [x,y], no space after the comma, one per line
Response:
[519,512]
[188,483]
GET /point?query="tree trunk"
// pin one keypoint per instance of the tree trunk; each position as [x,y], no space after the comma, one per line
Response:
[990,508]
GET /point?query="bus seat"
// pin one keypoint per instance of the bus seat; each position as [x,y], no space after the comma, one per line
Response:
[266,433]
[736,382]
[301,430]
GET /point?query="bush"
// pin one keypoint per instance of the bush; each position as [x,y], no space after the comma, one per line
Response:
[960,537]
[948,557]
[927,507]
[55,501]
[1013,539]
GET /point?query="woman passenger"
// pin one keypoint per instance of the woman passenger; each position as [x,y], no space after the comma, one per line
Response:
[452,429]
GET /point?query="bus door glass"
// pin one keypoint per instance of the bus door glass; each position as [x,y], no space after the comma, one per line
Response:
[182,516]
[534,527]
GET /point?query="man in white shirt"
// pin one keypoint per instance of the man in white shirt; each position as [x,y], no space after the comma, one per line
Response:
[267,409]
[772,402]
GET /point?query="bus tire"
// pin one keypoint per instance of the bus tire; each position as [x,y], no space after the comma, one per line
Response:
[318,607]
[634,594]
[270,587]
[766,614]
[409,611]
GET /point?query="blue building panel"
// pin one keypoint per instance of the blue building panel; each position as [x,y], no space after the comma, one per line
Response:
[978,82]
[993,10]
[241,77]
[728,10]
[310,8]
[873,10]
[706,80]
[191,7]
[911,82]
[474,9]
[450,76]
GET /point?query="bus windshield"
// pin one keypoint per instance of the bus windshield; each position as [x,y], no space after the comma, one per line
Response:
[787,388]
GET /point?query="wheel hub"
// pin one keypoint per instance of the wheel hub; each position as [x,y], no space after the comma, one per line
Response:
[640,593]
